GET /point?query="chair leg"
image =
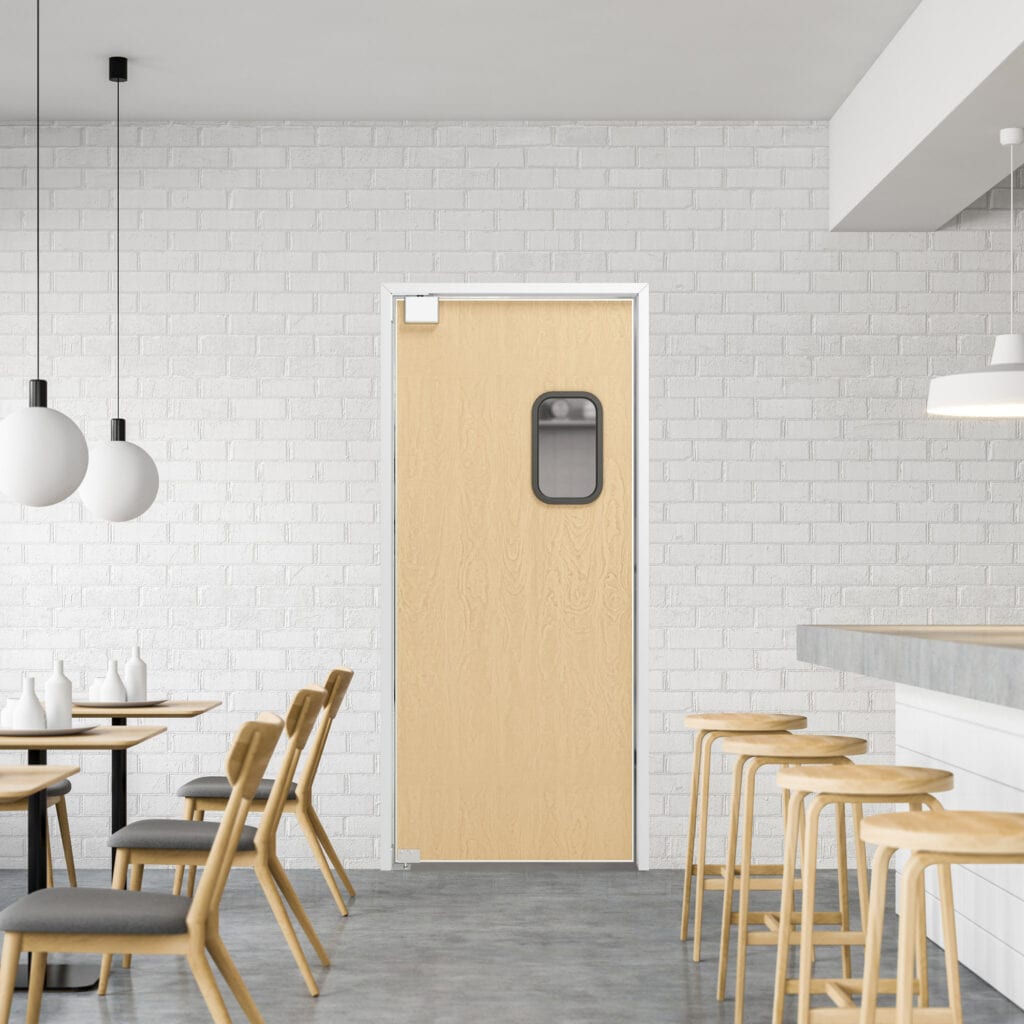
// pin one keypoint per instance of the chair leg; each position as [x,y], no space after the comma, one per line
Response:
[313,839]
[179,871]
[105,964]
[192,869]
[120,881]
[65,839]
[844,886]
[702,849]
[921,936]
[207,983]
[49,856]
[36,981]
[949,941]
[684,924]
[284,883]
[808,875]
[135,886]
[8,973]
[226,966]
[332,853]
[284,923]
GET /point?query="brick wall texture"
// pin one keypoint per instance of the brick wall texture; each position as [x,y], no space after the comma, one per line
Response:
[794,475]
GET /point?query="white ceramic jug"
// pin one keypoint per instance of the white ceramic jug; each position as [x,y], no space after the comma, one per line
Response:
[112,691]
[135,676]
[58,698]
[28,712]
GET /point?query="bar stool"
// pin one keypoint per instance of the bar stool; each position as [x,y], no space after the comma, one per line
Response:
[837,785]
[754,753]
[933,838]
[712,727]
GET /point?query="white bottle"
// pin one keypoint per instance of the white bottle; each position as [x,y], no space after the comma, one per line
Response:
[58,699]
[135,676]
[28,712]
[112,691]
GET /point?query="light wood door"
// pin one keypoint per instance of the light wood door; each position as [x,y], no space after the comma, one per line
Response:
[514,617]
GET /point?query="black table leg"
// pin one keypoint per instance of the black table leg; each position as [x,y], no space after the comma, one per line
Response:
[118,789]
[58,975]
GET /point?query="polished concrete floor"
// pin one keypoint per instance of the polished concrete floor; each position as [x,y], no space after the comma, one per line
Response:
[475,945]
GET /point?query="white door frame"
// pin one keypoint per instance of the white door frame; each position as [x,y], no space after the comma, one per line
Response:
[389,295]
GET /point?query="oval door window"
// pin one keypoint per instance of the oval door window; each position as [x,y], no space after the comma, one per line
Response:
[567,447]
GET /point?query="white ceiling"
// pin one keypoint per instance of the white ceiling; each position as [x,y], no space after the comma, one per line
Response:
[444,59]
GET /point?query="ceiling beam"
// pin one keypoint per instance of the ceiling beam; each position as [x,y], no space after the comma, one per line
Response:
[918,138]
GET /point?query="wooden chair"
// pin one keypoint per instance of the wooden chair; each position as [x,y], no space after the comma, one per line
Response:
[208,793]
[711,727]
[176,841]
[55,799]
[94,921]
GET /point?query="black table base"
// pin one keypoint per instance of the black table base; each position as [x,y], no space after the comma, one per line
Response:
[64,977]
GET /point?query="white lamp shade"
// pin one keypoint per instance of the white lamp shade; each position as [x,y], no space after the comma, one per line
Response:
[997,391]
[121,483]
[43,456]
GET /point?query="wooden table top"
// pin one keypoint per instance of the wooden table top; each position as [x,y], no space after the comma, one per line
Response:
[103,737]
[171,709]
[21,782]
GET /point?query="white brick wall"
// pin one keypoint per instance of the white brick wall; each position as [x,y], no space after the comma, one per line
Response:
[794,475]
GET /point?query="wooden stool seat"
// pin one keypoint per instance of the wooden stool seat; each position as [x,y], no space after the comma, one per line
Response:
[997,833]
[796,746]
[881,780]
[745,721]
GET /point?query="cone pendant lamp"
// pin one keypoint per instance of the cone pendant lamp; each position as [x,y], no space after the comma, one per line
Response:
[122,480]
[43,455]
[998,390]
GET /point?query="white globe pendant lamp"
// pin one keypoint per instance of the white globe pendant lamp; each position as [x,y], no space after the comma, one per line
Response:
[122,480]
[998,390]
[43,455]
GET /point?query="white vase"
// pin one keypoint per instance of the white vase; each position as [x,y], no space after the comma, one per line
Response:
[28,712]
[58,699]
[135,673]
[112,691]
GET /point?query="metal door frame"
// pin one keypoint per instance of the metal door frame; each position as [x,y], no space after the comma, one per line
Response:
[639,295]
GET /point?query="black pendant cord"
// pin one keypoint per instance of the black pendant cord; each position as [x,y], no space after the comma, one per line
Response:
[117,271]
[38,193]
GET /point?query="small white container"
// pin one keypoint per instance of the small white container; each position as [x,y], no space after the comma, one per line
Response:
[113,691]
[58,699]
[135,673]
[28,712]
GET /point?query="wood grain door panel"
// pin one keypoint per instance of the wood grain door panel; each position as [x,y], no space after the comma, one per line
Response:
[514,618]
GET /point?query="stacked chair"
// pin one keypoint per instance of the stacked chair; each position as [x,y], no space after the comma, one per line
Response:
[817,775]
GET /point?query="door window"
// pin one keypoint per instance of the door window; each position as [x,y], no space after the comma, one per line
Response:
[567,447]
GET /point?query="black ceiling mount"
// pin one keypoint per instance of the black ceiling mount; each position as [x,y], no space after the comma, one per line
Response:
[119,69]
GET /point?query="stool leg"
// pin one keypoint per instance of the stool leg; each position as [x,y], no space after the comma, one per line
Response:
[910,888]
[702,848]
[698,742]
[857,813]
[873,933]
[844,885]
[786,910]
[921,937]
[808,872]
[949,941]
[750,782]
[729,875]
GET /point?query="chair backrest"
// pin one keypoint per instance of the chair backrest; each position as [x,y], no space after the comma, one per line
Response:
[298,724]
[247,761]
[334,693]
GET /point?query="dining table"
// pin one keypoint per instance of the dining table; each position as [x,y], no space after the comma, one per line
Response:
[38,745]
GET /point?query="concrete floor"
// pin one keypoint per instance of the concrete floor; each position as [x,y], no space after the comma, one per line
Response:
[475,945]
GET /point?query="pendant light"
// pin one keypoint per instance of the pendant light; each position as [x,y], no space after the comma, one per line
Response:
[43,455]
[122,480]
[998,390]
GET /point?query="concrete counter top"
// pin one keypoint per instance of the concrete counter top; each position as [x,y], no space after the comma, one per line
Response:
[979,662]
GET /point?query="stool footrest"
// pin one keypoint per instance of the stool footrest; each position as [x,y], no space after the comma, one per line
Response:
[883,1015]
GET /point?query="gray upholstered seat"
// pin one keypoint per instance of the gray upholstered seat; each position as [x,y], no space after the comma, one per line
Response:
[97,911]
[175,834]
[60,789]
[217,787]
